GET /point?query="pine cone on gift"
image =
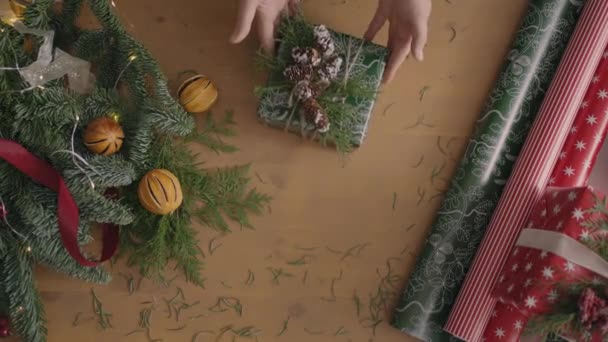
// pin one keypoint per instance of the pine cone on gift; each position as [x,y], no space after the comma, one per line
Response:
[315,114]
[298,72]
[305,90]
[306,56]
[330,69]
[324,40]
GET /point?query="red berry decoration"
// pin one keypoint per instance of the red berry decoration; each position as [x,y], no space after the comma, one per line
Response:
[5,327]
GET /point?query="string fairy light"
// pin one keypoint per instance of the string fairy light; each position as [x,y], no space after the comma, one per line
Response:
[5,220]
[131,58]
[76,157]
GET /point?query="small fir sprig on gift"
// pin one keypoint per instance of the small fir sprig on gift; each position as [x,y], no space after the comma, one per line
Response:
[583,309]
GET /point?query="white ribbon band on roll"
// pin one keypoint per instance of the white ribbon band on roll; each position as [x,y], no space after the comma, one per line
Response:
[565,247]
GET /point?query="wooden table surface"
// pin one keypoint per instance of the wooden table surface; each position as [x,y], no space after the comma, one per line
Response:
[321,201]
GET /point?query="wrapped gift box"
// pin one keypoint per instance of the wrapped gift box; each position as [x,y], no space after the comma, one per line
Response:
[348,101]
[535,280]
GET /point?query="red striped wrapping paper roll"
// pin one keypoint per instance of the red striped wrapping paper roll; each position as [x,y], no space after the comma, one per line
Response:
[475,303]
[576,161]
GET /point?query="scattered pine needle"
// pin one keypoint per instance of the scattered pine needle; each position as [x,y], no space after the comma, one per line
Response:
[410,227]
[259,178]
[285,326]
[277,274]
[357,302]
[313,332]
[420,122]
[212,246]
[332,290]
[250,278]
[103,317]
[439,146]
[421,194]
[387,108]
[304,260]
[419,162]
[423,92]
[340,332]
[305,278]
[394,200]
[454,33]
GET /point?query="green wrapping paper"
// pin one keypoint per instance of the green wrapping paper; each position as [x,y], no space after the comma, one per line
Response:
[350,99]
[478,182]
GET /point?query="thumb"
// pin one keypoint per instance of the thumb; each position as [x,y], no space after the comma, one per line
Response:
[244,20]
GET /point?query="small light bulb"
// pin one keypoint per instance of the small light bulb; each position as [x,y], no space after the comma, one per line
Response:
[28,249]
[113,4]
[92,185]
[132,58]
[20,309]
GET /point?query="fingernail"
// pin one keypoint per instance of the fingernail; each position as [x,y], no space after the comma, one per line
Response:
[419,55]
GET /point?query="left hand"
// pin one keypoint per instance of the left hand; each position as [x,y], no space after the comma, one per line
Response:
[267,14]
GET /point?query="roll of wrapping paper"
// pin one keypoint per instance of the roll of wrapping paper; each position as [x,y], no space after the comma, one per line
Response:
[540,154]
[576,161]
[479,180]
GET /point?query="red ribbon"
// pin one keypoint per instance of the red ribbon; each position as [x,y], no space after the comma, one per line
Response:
[67,211]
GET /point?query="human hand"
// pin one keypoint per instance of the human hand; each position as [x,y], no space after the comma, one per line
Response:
[408,26]
[267,13]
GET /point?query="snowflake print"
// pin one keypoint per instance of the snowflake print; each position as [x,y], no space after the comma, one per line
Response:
[556,209]
[528,267]
[500,332]
[510,288]
[584,235]
[552,181]
[569,171]
[580,145]
[559,225]
[571,196]
[553,295]
[598,137]
[596,281]
[573,130]
[578,214]
[595,79]
[587,163]
[543,254]
[591,120]
[602,94]
[562,155]
[518,325]
[514,268]
[569,266]
[516,251]
[548,273]
[531,302]
[585,104]
[543,213]
[528,282]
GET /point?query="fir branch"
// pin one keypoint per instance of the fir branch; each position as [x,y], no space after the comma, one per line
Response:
[211,133]
[18,285]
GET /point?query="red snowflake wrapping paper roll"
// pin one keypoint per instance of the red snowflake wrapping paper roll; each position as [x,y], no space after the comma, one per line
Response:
[576,161]
[529,281]
[475,303]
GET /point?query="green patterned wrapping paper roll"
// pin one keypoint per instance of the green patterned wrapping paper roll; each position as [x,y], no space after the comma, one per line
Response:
[487,164]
